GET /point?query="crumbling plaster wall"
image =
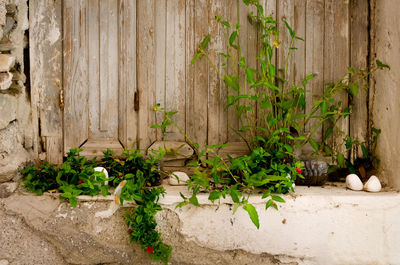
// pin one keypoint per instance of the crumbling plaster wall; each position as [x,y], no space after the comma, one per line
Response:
[15,111]
[385,89]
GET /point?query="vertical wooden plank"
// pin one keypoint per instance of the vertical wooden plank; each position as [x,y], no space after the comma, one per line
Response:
[286,13]
[299,55]
[75,73]
[336,55]
[145,72]
[45,49]
[314,37]
[108,90]
[248,44]
[94,67]
[233,120]
[160,59]
[217,116]
[359,60]
[270,8]
[197,94]
[127,73]
[175,72]
[54,149]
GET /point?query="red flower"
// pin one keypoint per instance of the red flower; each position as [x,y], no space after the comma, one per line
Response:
[150,250]
[299,170]
[130,231]
[80,182]
[121,175]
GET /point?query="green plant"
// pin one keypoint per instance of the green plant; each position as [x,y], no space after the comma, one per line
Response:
[76,176]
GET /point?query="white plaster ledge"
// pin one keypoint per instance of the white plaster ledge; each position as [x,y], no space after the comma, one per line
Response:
[329,225]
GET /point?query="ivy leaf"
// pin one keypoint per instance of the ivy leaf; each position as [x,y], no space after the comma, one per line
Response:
[253,214]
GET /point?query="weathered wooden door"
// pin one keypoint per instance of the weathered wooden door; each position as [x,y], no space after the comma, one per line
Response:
[99,75]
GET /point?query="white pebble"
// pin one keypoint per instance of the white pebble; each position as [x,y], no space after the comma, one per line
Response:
[373,184]
[353,182]
[102,169]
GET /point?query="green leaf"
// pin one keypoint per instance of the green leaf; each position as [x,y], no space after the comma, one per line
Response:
[364,150]
[231,81]
[205,42]
[181,204]
[354,89]
[351,70]
[250,75]
[193,200]
[235,207]
[314,144]
[323,107]
[268,204]
[382,65]
[232,39]
[288,148]
[253,214]
[226,24]
[104,190]
[266,104]
[328,132]
[278,198]
[230,101]
[196,57]
[290,29]
[308,78]
[340,159]
[73,201]
[215,195]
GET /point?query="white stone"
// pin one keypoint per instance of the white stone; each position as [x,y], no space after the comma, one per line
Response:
[178,178]
[353,182]
[373,184]
[3,262]
[102,169]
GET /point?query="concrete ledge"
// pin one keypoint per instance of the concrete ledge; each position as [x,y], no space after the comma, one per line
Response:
[330,225]
[316,225]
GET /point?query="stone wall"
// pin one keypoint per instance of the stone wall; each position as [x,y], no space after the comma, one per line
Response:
[16,138]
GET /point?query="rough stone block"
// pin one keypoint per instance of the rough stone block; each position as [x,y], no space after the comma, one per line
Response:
[8,109]
[6,189]
[5,80]
[12,164]
[6,62]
